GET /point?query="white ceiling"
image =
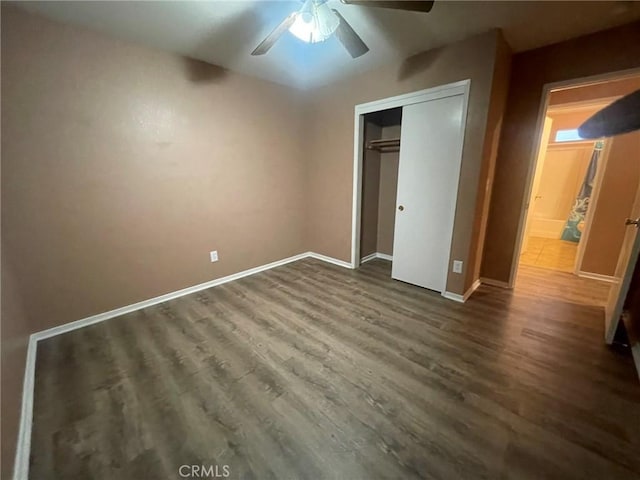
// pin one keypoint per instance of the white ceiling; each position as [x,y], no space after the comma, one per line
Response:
[224,33]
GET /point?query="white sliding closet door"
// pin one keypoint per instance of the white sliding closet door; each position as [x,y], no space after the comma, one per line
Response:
[430,156]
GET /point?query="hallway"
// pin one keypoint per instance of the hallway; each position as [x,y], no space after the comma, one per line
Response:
[550,253]
[546,284]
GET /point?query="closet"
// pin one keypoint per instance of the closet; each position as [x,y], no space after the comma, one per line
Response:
[410,170]
[379,182]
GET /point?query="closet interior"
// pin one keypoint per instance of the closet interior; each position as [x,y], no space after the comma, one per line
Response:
[379,182]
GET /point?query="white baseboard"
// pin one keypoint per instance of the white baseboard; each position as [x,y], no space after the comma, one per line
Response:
[456,297]
[382,256]
[474,286]
[101,317]
[597,276]
[324,258]
[368,258]
[494,283]
[23,448]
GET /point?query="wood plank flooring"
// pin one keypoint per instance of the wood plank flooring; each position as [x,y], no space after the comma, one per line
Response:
[315,371]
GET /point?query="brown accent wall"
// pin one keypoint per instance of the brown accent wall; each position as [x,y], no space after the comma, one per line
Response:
[497,105]
[615,202]
[331,142]
[122,167]
[389,162]
[611,50]
[370,193]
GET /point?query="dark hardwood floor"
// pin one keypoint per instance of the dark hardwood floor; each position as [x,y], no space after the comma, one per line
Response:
[315,371]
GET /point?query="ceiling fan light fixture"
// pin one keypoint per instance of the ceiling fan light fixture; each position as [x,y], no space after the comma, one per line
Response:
[315,22]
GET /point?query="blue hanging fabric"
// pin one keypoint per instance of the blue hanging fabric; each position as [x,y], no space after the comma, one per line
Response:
[573,228]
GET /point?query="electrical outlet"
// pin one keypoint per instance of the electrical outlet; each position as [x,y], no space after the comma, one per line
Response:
[213,256]
[457,266]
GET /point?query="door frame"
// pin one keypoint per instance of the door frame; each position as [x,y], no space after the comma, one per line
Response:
[451,89]
[542,109]
[597,182]
[536,178]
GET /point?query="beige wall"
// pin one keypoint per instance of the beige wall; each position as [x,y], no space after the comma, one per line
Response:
[389,162]
[331,142]
[122,167]
[370,192]
[617,194]
[115,160]
[612,50]
[16,329]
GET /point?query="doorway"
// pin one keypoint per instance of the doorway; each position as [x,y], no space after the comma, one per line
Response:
[565,189]
[406,175]
[575,240]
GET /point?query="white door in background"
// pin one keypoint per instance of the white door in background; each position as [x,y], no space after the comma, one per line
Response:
[535,184]
[431,140]
[624,271]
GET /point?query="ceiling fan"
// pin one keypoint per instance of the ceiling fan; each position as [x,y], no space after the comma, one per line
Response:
[316,21]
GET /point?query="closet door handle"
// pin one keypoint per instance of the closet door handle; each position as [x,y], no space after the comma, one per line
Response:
[401,208]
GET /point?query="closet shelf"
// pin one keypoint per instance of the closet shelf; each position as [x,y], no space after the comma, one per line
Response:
[384,146]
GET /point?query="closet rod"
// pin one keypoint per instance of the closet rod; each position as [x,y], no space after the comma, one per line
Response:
[386,149]
[384,141]
[388,145]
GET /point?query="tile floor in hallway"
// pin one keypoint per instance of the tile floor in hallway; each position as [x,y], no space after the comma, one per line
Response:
[551,253]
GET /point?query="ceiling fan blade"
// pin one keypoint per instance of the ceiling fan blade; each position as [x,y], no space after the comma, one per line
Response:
[423,6]
[622,116]
[273,37]
[349,38]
